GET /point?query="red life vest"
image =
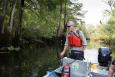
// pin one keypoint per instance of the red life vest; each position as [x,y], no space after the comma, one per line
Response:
[74,40]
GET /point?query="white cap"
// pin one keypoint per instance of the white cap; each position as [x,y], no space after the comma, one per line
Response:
[70,23]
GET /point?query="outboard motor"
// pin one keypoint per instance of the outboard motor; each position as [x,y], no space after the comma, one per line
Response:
[104,56]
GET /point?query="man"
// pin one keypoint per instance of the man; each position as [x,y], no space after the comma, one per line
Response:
[112,69]
[75,41]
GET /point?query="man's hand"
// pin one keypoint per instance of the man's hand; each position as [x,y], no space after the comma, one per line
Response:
[84,47]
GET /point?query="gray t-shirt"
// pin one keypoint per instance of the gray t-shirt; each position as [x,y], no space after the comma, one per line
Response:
[82,37]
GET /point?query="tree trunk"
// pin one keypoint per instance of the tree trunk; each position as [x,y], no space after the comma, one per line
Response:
[3,15]
[12,16]
[65,15]
[18,30]
[60,19]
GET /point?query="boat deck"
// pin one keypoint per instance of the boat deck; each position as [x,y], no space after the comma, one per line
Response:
[95,69]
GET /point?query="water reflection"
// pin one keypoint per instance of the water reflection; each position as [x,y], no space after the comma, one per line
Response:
[29,62]
[91,55]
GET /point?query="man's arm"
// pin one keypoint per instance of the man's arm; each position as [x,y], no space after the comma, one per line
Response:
[65,48]
[111,71]
[84,42]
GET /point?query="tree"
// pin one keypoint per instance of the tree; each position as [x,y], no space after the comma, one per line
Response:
[3,2]
[107,33]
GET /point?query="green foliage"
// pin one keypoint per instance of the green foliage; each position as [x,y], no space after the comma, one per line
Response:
[42,18]
[107,32]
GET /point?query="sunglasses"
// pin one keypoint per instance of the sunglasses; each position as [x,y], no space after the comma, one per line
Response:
[68,26]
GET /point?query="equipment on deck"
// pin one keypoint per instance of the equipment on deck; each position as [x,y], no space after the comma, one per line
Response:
[72,68]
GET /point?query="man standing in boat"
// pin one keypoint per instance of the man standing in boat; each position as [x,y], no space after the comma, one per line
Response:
[75,41]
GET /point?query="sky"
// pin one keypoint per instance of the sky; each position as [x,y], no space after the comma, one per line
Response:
[95,10]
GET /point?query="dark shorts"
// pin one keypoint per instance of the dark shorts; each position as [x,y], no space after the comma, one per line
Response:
[77,55]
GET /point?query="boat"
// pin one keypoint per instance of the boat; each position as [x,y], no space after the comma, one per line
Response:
[78,68]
